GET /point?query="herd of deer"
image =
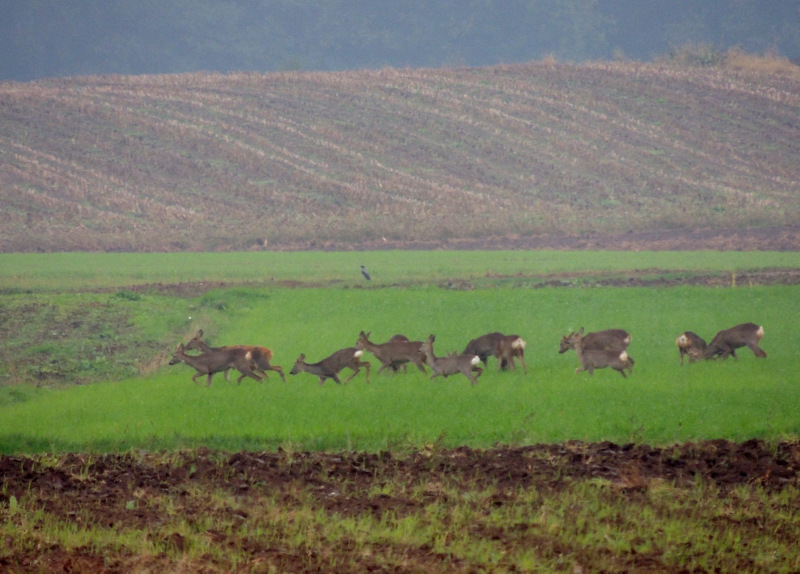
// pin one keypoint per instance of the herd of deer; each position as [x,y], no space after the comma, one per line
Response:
[595,351]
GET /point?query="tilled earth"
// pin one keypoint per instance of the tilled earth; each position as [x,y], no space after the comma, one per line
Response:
[112,491]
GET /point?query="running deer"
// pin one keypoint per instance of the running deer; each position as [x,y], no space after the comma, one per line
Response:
[609,340]
[261,356]
[504,347]
[217,362]
[465,363]
[726,342]
[692,344]
[592,359]
[393,354]
[329,367]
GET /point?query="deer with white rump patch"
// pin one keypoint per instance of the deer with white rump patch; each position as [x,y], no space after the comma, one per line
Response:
[393,354]
[591,359]
[504,347]
[608,340]
[725,343]
[217,362]
[329,367]
[692,344]
[261,356]
[465,363]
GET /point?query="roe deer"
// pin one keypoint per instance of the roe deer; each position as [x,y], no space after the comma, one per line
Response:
[609,340]
[504,347]
[691,344]
[592,359]
[509,347]
[261,356]
[393,354]
[464,363]
[727,341]
[329,367]
[216,362]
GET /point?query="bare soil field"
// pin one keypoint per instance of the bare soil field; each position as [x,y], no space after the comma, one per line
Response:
[782,238]
[159,494]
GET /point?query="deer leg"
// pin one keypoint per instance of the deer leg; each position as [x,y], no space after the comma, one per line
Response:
[278,370]
[524,366]
[757,351]
[227,379]
[251,374]
[355,370]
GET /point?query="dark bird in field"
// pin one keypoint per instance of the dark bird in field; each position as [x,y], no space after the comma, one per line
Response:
[365,273]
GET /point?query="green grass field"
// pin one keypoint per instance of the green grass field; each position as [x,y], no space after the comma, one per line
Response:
[661,403]
[49,272]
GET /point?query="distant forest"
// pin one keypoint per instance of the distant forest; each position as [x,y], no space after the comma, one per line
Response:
[54,38]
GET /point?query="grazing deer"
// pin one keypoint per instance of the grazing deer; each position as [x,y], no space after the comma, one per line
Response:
[609,340]
[726,342]
[691,344]
[592,359]
[217,362]
[329,367]
[464,363]
[504,347]
[261,356]
[393,354]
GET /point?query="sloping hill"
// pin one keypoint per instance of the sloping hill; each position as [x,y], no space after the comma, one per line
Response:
[335,160]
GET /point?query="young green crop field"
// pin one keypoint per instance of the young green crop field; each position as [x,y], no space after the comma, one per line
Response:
[411,293]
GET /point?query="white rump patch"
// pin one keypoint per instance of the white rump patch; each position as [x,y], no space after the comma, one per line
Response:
[249,356]
[358,354]
[623,356]
[760,331]
[519,343]
[475,360]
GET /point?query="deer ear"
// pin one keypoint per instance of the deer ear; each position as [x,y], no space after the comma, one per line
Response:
[199,333]
[302,357]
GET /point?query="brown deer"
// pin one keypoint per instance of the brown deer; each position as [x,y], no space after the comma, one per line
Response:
[509,347]
[217,362]
[609,340]
[725,343]
[393,354]
[465,363]
[399,339]
[592,359]
[261,356]
[692,344]
[329,367]
[504,347]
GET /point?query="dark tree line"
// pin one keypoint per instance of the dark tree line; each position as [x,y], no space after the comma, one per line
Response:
[45,38]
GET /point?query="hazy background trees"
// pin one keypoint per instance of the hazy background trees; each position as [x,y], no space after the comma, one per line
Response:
[46,38]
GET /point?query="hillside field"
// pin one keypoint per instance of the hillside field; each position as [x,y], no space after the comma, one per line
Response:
[537,155]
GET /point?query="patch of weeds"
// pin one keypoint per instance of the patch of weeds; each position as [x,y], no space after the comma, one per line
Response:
[127,295]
